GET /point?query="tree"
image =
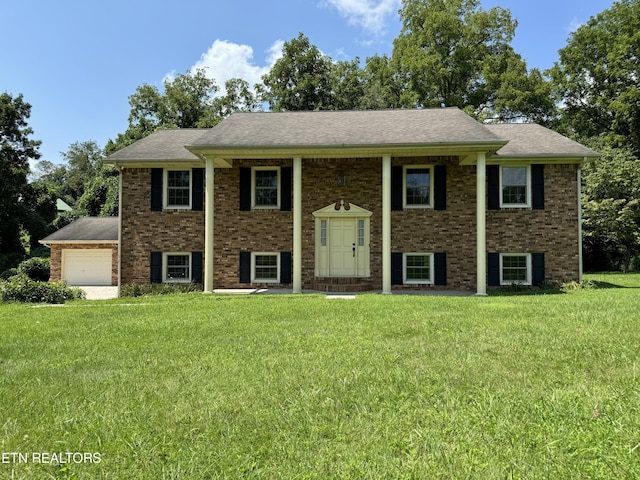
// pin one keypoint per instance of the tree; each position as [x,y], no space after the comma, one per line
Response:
[597,77]
[453,53]
[16,149]
[611,199]
[187,102]
[301,79]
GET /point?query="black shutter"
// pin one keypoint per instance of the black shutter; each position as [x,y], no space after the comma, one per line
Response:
[397,277]
[493,270]
[440,267]
[537,187]
[440,187]
[285,190]
[245,189]
[197,189]
[493,180]
[196,267]
[537,264]
[156,267]
[285,267]
[396,188]
[156,189]
[245,267]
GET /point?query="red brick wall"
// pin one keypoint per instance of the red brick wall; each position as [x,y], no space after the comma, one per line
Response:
[553,231]
[144,231]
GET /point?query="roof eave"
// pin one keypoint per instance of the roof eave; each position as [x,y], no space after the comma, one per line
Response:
[343,151]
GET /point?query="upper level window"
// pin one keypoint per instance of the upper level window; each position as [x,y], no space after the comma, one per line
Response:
[178,189]
[418,186]
[515,186]
[266,187]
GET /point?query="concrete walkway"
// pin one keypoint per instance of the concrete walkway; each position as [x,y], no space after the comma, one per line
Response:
[100,293]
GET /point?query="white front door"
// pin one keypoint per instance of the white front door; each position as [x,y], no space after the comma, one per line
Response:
[343,237]
[342,247]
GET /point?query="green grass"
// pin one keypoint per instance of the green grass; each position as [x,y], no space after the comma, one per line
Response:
[204,387]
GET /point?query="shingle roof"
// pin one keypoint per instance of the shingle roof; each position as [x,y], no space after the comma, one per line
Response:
[346,128]
[86,229]
[532,140]
[161,145]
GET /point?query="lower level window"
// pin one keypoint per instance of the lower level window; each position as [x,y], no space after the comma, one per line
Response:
[177,267]
[418,268]
[515,268]
[266,267]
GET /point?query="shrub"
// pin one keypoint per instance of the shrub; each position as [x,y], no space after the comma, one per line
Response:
[7,274]
[36,268]
[23,289]
[583,285]
[139,290]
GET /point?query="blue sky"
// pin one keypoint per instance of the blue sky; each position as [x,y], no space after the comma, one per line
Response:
[76,62]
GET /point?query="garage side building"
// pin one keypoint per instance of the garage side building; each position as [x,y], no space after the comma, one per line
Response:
[85,252]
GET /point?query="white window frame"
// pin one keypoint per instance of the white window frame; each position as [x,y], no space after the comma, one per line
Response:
[165,264]
[405,168]
[529,269]
[254,277]
[527,202]
[428,281]
[165,189]
[253,188]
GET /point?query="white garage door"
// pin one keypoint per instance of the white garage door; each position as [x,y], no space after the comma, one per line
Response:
[86,267]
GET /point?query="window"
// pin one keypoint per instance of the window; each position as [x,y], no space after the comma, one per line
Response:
[361,233]
[266,187]
[514,186]
[178,191]
[265,267]
[515,268]
[418,268]
[323,233]
[177,267]
[418,186]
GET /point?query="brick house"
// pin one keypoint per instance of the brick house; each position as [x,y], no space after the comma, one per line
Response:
[352,200]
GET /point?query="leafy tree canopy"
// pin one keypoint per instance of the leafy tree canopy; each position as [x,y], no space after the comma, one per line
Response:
[16,149]
[598,73]
[453,53]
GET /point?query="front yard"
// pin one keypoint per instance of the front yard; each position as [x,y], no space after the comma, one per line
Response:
[202,387]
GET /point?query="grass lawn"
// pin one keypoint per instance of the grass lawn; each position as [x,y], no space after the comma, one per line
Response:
[293,387]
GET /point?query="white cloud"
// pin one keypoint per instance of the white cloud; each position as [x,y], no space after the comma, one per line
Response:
[225,60]
[369,14]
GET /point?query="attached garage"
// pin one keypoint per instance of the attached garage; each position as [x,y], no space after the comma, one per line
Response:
[85,252]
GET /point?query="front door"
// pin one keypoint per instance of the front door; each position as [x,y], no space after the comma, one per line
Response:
[342,245]
[343,237]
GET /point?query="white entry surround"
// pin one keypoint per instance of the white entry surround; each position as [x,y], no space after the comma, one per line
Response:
[342,241]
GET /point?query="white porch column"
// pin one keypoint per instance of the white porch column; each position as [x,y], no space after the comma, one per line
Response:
[481,219]
[297,225]
[386,224]
[580,234]
[208,228]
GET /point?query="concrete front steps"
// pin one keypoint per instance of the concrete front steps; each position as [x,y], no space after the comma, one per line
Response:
[342,284]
